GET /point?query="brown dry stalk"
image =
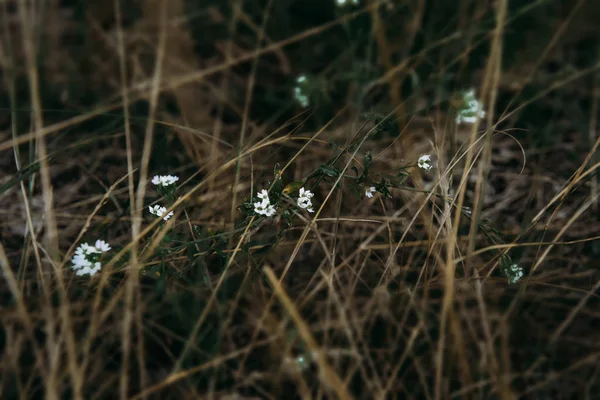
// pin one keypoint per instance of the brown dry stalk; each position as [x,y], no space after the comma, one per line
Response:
[328,376]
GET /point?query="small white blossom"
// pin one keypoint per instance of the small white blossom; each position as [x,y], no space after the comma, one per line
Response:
[270,210]
[306,193]
[102,246]
[304,200]
[471,111]
[160,211]
[164,180]
[344,2]
[264,207]
[424,162]
[370,192]
[89,270]
[86,258]
[263,195]
[301,98]
[514,273]
[300,93]
[80,260]
[260,207]
[86,249]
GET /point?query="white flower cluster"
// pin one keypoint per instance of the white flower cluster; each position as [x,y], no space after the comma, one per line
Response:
[513,273]
[86,258]
[424,162]
[160,211]
[264,206]
[471,110]
[300,91]
[164,180]
[304,200]
[370,192]
[342,3]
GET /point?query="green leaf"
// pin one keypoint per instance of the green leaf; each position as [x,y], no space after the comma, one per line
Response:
[330,171]
[293,187]
[23,174]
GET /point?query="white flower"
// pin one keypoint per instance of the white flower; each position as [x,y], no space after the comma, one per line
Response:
[89,270]
[85,249]
[102,246]
[263,195]
[463,118]
[264,207]
[301,98]
[370,191]
[306,193]
[164,180]
[96,268]
[260,207]
[86,258]
[514,273]
[160,211]
[424,162]
[300,93]
[343,2]
[80,261]
[270,210]
[304,200]
[471,111]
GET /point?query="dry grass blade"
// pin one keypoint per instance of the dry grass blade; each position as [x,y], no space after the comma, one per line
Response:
[328,375]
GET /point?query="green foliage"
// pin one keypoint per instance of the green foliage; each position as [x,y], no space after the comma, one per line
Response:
[23,174]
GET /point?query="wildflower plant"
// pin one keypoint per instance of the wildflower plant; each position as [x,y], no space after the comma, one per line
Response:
[165,185]
[87,258]
[511,270]
[358,177]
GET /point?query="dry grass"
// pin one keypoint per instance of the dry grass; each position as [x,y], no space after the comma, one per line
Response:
[399,296]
